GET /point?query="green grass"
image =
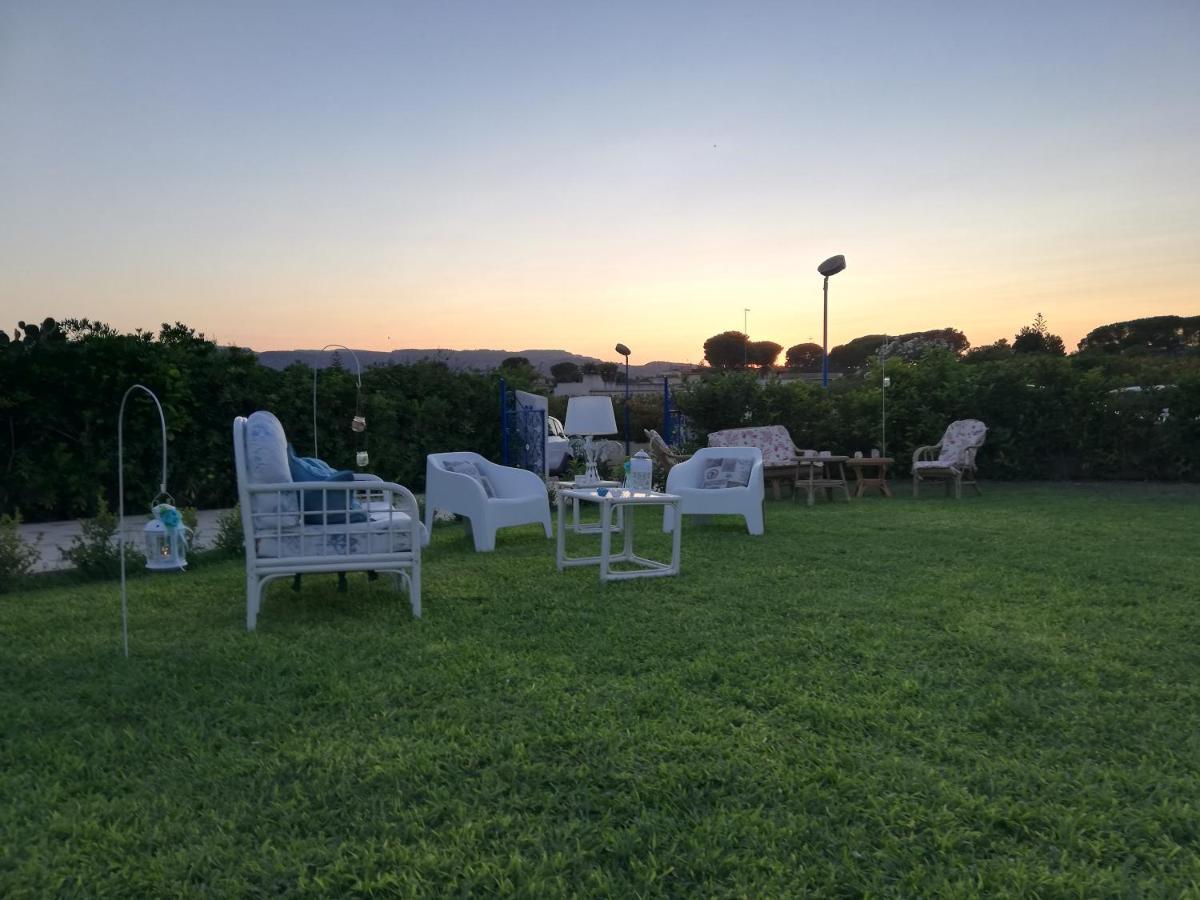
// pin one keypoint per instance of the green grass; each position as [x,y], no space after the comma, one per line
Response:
[994,697]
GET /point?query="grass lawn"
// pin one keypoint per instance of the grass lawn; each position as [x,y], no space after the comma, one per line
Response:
[998,696]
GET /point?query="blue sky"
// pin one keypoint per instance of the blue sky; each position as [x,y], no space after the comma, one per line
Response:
[540,175]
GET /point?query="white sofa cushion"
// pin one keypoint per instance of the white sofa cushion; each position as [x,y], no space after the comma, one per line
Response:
[267,463]
[356,539]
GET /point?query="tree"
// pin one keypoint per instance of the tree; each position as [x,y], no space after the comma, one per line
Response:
[913,345]
[565,371]
[727,350]
[516,362]
[589,368]
[804,357]
[609,370]
[763,353]
[917,344]
[1166,335]
[1001,349]
[1036,338]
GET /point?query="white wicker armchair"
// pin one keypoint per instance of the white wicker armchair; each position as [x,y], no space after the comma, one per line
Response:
[295,528]
[952,458]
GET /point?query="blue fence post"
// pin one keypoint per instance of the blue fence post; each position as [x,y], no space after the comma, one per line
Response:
[666,435]
[503,422]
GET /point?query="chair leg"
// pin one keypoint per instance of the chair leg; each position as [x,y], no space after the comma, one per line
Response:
[414,591]
[754,520]
[958,488]
[546,523]
[253,599]
[916,481]
[485,537]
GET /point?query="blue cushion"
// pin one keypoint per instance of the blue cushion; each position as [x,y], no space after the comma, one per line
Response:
[328,507]
[307,468]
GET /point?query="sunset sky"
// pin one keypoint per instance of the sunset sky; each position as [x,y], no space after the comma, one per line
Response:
[538,175]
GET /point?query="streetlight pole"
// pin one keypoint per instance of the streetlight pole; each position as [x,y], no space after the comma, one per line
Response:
[625,351]
[831,266]
[746,332]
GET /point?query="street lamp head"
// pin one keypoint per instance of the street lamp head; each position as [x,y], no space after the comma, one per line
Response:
[832,266]
[623,350]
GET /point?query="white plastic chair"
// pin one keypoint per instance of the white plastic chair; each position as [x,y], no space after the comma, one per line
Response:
[521,496]
[685,480]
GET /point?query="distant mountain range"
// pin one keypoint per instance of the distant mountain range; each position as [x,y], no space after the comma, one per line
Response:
[484,360]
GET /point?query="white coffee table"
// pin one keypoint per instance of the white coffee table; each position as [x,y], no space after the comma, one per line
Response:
[618,499]
[589,527]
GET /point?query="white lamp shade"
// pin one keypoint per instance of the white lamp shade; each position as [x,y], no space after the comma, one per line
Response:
[590,415]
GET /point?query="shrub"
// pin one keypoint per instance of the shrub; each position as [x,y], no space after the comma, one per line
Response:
[230,538]
[95,553]
[16,557]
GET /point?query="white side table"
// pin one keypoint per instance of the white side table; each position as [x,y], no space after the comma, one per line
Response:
[618,499]
[589,527]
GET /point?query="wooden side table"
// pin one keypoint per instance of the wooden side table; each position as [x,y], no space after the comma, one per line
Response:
[780,474]
[870,473]
[826,472]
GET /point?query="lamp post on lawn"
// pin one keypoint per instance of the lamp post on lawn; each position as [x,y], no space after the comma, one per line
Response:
[746,332]
[625,351]
[831,266]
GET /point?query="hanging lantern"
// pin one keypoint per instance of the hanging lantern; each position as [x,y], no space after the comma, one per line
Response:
[166,539]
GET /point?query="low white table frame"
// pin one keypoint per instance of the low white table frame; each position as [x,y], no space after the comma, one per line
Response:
[590,527]
[618,499]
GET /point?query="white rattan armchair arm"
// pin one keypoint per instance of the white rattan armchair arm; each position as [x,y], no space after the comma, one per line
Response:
[929,452]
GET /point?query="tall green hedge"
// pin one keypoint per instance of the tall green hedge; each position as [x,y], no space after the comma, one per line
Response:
[1047,417]
[60,394]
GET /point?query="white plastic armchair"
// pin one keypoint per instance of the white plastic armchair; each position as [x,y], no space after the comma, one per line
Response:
[686,479]
[952,458]
[520,497]
[285,535]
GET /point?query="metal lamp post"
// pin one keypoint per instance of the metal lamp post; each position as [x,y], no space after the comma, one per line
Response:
[831,266]
[625,351]
[746,333]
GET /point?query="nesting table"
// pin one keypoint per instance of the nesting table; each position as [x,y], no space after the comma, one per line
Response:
[871,474]
[589,527]
[832,475]
[618,499]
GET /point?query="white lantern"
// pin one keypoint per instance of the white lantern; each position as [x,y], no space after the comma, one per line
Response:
[641,471]
[166,544]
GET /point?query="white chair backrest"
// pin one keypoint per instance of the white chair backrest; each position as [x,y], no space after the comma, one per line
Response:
[260,453]
[960,438]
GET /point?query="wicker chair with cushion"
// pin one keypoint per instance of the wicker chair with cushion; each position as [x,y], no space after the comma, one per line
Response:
[952,458]
[664,457]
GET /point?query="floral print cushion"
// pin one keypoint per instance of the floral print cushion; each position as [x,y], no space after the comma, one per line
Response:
[961,437]
[773,440]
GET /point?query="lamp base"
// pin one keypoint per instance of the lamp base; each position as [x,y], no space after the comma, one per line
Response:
[591,475]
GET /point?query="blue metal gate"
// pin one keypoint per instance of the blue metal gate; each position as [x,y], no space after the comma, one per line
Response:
[522,431]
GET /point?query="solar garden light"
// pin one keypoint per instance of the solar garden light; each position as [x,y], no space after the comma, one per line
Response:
[831,266]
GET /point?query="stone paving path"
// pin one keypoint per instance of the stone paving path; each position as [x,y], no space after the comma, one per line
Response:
[49,537]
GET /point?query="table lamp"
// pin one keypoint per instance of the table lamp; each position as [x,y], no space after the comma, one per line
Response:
[590,416]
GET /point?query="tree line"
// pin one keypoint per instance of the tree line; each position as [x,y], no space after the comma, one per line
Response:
[1156,335]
